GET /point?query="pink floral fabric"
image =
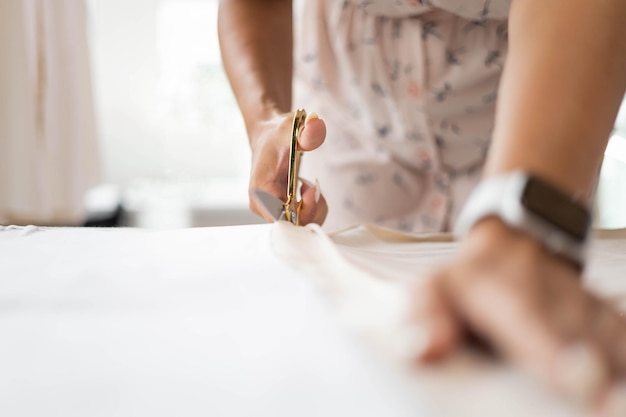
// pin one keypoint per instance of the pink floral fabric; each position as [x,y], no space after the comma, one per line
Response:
[407,89]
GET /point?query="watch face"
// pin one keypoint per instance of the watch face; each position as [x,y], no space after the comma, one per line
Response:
[556,208]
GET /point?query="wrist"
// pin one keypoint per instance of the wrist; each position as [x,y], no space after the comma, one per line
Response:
[492,237]
[492,231]
[533,207]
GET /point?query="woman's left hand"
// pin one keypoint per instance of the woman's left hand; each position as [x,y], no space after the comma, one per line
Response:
[530,306]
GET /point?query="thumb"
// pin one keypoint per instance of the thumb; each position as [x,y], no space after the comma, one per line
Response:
[313,134]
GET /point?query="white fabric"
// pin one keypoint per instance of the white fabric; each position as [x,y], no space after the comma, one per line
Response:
[210,321]
[369,272]
[468,9]
[48,155]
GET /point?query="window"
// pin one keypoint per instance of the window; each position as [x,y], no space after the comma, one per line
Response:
[172,138]
[165,108]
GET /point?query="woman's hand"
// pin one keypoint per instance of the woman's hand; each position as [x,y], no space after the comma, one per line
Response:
[270,163]
[532,307]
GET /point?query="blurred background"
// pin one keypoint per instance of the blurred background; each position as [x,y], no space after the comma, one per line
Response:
[171,136]
[117,112]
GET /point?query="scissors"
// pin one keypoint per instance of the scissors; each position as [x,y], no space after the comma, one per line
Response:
[288,210]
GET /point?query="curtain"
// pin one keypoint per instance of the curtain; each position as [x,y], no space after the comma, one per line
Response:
[48,149]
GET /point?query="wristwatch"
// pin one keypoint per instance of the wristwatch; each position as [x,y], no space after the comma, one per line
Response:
[533,206]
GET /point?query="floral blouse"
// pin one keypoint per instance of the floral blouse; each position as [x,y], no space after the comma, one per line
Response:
[407,89]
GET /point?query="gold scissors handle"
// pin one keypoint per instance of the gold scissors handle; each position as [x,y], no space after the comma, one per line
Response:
[292,207]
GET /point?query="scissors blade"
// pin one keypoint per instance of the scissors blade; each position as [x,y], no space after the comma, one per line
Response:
[291,206]
[270,205]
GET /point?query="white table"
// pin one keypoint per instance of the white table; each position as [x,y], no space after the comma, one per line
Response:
[206,322]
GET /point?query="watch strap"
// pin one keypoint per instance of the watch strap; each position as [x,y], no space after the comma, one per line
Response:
[501,196]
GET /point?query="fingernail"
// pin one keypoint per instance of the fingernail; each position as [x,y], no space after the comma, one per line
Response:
[318,191]
[581,373]
[307,182]
[311,116]
[615,405]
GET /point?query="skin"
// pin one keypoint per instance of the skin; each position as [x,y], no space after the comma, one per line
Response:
[560,92]
[258,63]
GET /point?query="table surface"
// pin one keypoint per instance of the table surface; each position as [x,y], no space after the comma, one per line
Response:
[209,321]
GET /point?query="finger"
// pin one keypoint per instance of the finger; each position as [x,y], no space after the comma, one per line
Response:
[580,315]
[607,329]
[269,174]
[518,327]
[271,157]
[314,208]
[435,319]
[615,402]
[313,134]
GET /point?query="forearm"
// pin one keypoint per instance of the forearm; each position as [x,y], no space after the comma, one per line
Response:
[561,89]
[256,41]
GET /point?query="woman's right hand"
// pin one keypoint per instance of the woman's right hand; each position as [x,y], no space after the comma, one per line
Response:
[270,141]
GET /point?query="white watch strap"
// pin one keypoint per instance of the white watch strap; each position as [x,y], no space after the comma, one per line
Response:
[500,196]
